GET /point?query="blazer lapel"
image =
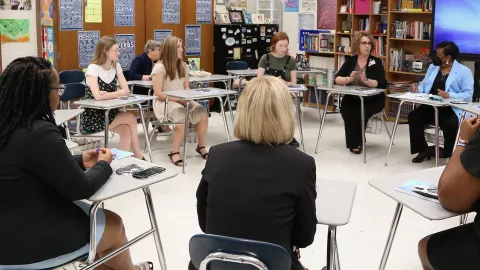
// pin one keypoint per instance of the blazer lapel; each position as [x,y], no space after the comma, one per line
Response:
[452,76]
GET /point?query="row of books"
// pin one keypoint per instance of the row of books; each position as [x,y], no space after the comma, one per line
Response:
[380,46]
[412,30]
[364,24]
[396,59]
[318,42]
[393,109]
[414,5]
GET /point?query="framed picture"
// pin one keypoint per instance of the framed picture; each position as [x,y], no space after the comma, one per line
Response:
[236,16]
[223,19]
[247,17]
[258,18]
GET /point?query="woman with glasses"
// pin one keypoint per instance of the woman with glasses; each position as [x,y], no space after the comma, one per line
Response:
[43,223]
[105,80]
[447,78]
[363,70]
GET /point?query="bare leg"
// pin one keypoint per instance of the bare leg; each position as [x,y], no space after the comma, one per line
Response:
[422,253]
[130,120]
[125,136]
[113,238]
[178,133]
[201,128]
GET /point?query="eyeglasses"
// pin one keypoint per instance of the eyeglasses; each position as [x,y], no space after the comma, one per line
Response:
[365,43]
[61,89]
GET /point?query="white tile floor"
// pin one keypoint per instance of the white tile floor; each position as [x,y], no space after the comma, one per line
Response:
[361,242]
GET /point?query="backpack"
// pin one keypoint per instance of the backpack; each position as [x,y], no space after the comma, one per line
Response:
[302,62]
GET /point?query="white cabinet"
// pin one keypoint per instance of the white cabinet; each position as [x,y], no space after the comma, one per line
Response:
[271,10]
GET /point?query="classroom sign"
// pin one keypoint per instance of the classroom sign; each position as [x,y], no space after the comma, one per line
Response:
[87,41]
[193,38]
[71,15]
[291,6]
[126,44]
[124,12]
[161,35]
[171,11]
[204,11]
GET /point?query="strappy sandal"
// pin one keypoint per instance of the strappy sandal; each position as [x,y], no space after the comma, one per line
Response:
[177,163]
[204,156]
[144,266]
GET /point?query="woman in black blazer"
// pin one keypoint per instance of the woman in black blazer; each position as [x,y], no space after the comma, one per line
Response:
[259,187]
[363,70]
[41,222]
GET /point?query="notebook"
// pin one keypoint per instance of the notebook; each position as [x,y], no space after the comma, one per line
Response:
[408,186]
[119,154]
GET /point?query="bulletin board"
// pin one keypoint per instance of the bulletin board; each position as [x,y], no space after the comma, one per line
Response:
[118,17]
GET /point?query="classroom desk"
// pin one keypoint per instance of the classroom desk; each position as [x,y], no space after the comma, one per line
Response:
[427,209]
[334,205]
[117,185]
[61,117]
[226,79]
[203,93]
[109,104]
[350,90]
[424,101]
[295,90]
[472,107]
[149,86]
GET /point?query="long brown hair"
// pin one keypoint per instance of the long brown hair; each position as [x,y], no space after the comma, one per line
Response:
[170,60]
[103,45]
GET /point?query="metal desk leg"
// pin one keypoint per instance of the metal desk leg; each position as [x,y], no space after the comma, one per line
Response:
[316,95]
[230,108]
[337,257]
[92,250]
[385,123]
[362,111]
[106,128]
[391,235]
[437,139]
[394,131]
[224,117]
[153,222]
[331,247]
[145,130]
[322,122]
[297,105]
[458,132]
[185,135]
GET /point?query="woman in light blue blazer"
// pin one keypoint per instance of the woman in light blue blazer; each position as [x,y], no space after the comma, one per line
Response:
[446,78]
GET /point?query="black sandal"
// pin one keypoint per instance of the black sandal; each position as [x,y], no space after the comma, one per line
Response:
[175,162]
[204,156]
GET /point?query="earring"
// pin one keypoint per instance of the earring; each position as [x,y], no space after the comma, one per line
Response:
[447,62]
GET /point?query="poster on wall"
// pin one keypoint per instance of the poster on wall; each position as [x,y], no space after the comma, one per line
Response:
[306,21]
[93,11]
[124,12]
[237,4]
[48,44]
[171,11]
[193,40]
[15,4]
[71,15]
[194,64]
[291,6]
[46,12]
[126,44]
[15,30]
[326,14]
[308,5]
[204,11]
[161,35]
[87,40]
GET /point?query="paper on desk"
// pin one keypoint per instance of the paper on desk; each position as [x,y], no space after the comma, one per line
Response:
[119,154]
[408,186]
[364,90]
[418,96]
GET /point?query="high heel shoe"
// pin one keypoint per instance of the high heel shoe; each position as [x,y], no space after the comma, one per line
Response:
[421,156]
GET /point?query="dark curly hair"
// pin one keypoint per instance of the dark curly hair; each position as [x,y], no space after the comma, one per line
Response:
[25,87]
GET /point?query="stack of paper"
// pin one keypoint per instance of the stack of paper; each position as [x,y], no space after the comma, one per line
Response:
[408,186]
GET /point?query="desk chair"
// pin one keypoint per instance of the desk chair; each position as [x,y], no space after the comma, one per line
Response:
[228,253]
[236,65]
[72,76]
[126,74]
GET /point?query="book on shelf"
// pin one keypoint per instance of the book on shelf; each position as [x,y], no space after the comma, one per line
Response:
[412,30]
[380,28]
[414,5]
[364,24]
[344,46]
[380,46]
[362,7]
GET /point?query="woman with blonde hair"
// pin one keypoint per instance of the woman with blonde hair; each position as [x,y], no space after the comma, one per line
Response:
[105,80]
[170,74]
[258,187]
[362,70]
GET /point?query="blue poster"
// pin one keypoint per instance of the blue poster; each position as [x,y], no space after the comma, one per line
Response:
[126,44]
[50,45]
[193,40]
[171,11]
[71,15]
[124,12]
[291,6]
[204,11]
[87,41]
[161,35]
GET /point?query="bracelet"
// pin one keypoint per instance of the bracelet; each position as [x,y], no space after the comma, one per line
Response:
[461,144]
[462,141]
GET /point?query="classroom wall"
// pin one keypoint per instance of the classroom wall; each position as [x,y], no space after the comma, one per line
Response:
[11,51]
[290,26]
